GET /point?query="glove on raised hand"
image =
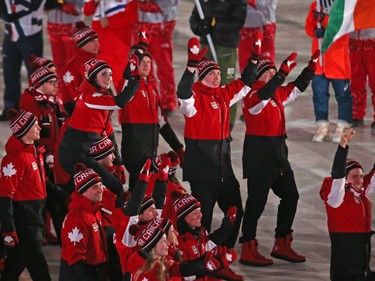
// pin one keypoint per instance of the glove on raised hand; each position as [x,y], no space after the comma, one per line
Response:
[287,65]
[313,61]
[134,70]
[257,45]
[163,171]
[143,38]
[319,16]
[319,32]
[232,214]
[145,174]
[194,53]
[10,239]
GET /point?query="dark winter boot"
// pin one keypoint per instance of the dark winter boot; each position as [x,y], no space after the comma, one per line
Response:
[251,256]
[283,250]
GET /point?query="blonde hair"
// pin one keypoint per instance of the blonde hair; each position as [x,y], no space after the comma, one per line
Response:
[152,261]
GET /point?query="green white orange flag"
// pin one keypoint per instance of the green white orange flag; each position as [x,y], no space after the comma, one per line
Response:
[347,16]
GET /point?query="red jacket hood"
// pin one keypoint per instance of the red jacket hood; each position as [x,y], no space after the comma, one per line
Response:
[14,145]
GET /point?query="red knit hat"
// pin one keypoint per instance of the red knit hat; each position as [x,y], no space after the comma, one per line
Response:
[36,62]
[83,34]
[184,204]
[205,66]
[93,66]
[263,66]
[20,122]
[101,148]
[352,164]
[148,235]
[84,178]
[41,75]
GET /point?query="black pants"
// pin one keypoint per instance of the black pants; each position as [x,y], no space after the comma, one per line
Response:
[226,194]
[27,254]
[258,186]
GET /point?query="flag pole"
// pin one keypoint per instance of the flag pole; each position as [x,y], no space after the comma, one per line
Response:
[318,25]
[208,36]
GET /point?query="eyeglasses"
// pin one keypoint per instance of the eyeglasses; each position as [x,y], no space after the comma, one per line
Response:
[53,82]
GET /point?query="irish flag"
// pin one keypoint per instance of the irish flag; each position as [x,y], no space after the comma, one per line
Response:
[347,16]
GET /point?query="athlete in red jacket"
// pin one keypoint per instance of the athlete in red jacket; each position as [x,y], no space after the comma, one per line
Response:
[83,250]
[90,120]
[22,200]
[265,157]
[205,105]
[348,207]
[142,121]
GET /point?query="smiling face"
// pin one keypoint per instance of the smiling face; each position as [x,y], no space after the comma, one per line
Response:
[193,219]
[104,78]
[212,79]
[145,66]
[94,193]
[355,178]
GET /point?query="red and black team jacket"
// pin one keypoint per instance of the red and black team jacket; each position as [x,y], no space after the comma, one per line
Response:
[193,244]
[93,110]
[207,139]
[348,211]
[47,110]
[83,239]
[348,218]
[72,75]
[264,149]
[141,122]
[22,188]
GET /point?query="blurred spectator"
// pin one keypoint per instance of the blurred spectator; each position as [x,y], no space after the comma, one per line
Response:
[61,21]
[23,37]
[333,68]
[362,59]
[159,17]
[115,21]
